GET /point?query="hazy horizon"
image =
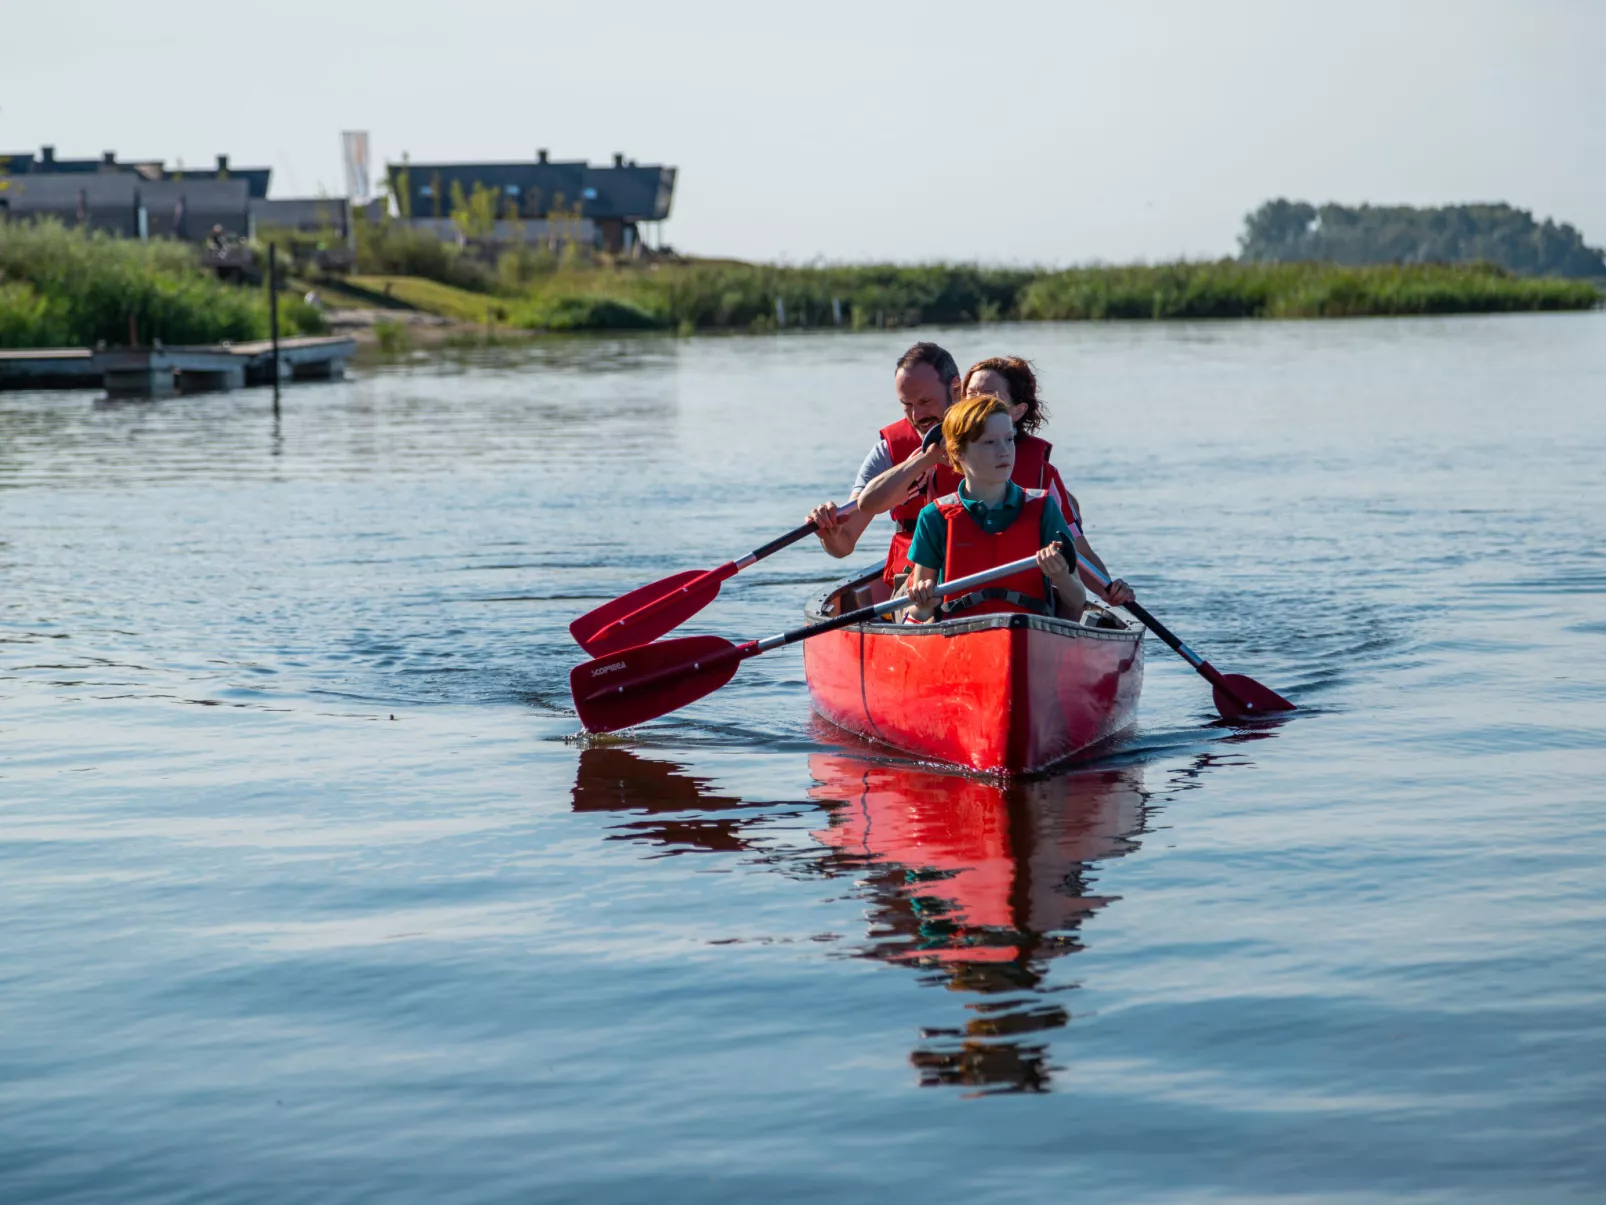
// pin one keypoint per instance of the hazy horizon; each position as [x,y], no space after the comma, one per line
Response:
[1025,133]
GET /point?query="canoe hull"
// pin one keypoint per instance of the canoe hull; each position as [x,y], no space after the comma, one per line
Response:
[1002,694]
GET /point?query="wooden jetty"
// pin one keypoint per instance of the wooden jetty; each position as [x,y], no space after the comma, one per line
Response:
[162,371]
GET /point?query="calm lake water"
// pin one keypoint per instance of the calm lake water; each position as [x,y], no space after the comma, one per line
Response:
[309,894]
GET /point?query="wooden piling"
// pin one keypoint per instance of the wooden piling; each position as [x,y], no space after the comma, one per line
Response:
[273,314]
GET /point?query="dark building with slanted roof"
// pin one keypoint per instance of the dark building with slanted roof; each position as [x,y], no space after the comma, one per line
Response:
[616,199]
[46,164]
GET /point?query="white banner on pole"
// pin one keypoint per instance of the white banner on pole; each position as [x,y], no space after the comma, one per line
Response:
[354,146]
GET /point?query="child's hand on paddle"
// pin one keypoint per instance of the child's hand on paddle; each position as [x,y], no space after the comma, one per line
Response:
[1053,563]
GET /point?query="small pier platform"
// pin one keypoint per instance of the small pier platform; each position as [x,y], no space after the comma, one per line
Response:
[163,371]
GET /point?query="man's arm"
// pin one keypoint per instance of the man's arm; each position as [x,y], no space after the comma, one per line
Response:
[839,536]
[895,485]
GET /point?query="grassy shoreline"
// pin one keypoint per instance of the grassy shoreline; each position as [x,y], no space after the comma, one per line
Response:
[60,288]
[722,296]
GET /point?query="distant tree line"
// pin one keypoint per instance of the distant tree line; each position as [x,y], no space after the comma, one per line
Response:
[1283,231]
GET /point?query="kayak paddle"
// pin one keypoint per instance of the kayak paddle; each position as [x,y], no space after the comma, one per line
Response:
[1236,696]
[647,612]
[643,683]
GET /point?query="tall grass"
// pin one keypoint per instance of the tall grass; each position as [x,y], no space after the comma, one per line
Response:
[1231,289]
[719,295]
[735,296]
[61,288]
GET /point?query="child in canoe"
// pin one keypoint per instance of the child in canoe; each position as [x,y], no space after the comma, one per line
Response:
[987,521]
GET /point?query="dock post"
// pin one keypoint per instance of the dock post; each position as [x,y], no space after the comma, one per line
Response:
[273,315]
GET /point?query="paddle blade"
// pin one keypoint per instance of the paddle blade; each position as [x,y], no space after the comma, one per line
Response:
[1248,699]
[645,614]
[641,684]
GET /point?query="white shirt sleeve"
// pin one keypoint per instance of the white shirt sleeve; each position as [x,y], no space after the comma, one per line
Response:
[877,462]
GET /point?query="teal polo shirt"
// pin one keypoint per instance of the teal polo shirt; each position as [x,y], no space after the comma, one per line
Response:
[929,547]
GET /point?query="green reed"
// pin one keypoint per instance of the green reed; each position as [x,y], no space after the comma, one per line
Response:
[62,288]
[735,296]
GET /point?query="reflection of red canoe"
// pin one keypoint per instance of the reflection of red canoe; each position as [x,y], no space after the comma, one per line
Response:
[1002,861]
[1005,694]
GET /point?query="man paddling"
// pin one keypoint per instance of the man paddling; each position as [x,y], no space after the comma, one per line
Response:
[927,382]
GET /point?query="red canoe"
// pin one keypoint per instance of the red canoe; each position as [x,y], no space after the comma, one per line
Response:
[1003,694]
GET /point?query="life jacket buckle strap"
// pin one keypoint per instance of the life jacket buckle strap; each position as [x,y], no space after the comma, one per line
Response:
[996,594]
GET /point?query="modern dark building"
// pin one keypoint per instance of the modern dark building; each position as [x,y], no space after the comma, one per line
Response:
[127,204]
[615,199]
[46,164]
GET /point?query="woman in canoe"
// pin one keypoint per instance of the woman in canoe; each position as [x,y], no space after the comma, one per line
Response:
[1010,379]
[989,520]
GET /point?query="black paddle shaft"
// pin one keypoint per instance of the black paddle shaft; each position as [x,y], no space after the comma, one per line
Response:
[1209,672]
[780,542]
[1164,633]
[790,538]
[862,615]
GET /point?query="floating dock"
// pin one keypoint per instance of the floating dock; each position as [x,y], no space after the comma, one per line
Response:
[163,371]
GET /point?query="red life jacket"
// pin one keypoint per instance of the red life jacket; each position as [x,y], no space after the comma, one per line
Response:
[903,441]
[1055,485]
[971,550]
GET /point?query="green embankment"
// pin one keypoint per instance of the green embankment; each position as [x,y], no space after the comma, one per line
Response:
[735,296]
[433,297]
[59,288]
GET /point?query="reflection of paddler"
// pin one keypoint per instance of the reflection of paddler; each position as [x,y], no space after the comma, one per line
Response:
[612,779]
[990,870]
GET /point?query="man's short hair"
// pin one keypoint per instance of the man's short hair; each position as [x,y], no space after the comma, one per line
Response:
[940,361]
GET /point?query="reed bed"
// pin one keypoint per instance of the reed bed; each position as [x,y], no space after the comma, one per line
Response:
[732,296]
[61,288]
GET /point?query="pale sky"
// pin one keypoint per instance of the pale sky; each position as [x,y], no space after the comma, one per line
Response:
[1004,132]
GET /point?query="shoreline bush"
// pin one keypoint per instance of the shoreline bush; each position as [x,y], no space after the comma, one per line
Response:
[62,288]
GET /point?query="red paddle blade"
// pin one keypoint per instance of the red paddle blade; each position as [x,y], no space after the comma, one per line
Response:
[1248,699]
[641,684]
[645,614]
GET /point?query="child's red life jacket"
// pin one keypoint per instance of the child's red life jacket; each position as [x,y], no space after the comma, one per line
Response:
[903,441]
[971,550]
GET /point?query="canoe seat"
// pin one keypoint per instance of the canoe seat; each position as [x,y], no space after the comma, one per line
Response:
[1098,617]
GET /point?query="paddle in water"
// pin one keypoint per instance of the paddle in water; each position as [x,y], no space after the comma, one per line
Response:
[1237,697]
[648,612]
[643,683]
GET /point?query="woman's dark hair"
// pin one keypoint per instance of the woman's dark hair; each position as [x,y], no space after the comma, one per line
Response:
[1022,388]
[939,360]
